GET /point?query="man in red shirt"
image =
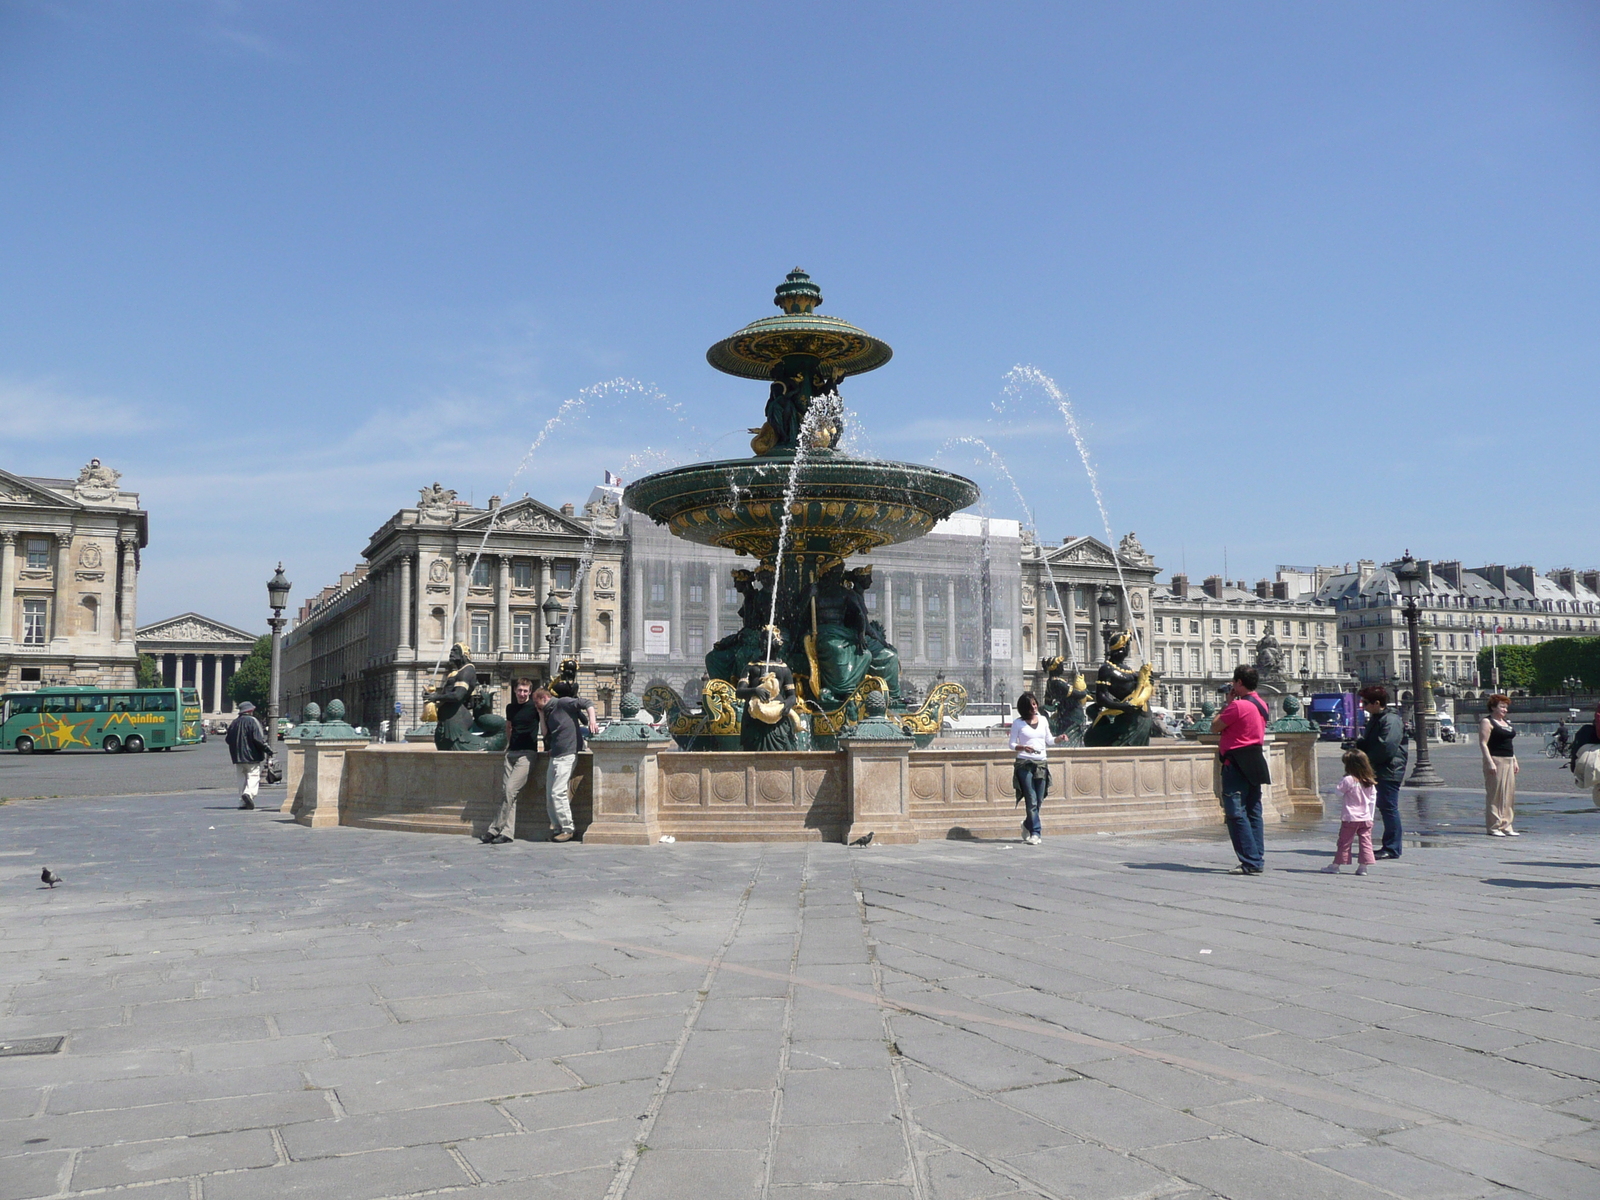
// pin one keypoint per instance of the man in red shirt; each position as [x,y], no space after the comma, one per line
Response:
[1243,726]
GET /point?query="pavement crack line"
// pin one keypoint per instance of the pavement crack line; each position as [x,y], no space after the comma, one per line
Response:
[1260,1082]
[775,1119]
[647,1123]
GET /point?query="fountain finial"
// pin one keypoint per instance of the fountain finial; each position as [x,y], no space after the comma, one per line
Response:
[797,295]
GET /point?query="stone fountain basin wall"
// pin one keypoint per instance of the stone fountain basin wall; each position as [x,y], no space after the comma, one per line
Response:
[902,795]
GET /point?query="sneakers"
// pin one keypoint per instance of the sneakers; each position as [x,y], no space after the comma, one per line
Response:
[566,835]
[1333,869]
[1033,839]
[1362,869]
[1497,833]
[1512,833]
[245,802]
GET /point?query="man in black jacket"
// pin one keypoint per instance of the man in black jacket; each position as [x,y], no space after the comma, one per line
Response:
[249,748]
[1383,742]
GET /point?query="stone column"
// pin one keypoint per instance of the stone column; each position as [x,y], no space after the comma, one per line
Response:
[458,601]
[626,793]
[502,606]
[60,618]
[1069,626]
[888,608]
[713,608]
[547,579]
[8,583]
[878,787]
[678,642]
[921,645]
[404,641]
[421,600]
[950,644]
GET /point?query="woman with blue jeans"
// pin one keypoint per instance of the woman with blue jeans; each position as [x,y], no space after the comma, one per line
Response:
[1030,738]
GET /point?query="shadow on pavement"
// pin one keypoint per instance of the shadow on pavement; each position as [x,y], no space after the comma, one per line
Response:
[1538,883]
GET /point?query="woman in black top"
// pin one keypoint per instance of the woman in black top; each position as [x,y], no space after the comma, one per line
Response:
[1495,737]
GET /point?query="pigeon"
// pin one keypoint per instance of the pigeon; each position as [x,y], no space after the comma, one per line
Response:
[865,839]
[49,878]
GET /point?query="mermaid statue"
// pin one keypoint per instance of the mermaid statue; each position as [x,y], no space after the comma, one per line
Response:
[770,721]
[1120,714]
[1064,697]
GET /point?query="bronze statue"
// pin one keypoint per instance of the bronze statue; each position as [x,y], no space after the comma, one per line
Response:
[793,392]
[885,656]
[727,658]
[1120,714]
[1064,699]
[451,701]
[836,650]
[770,721]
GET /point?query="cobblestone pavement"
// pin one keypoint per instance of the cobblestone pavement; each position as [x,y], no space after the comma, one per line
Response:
[254,1009]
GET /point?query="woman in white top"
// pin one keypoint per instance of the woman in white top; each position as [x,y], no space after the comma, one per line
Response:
[1030,738]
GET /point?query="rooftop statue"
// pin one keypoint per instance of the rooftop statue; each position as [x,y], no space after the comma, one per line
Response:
[1120,714]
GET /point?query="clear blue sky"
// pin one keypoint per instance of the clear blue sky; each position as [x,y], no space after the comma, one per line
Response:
[1322,280]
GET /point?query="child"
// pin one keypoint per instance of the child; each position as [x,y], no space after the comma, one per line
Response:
[1360,792]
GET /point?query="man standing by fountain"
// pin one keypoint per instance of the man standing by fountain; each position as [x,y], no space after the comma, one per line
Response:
[1243,726]
[562,716]
[522,743]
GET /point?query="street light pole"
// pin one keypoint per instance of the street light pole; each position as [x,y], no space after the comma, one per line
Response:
[278,598]
[555,613]
[1409,576]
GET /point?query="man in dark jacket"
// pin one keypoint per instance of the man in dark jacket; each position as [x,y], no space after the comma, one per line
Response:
[1383,742]
[249,748]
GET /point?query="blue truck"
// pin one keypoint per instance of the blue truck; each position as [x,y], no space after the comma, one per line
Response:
[1338,714]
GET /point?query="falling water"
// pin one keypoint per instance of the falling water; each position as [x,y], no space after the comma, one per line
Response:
[791,488]
[999,464]
[1017,381]
[580,403]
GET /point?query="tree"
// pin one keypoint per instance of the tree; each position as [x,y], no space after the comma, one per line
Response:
[253,678]
[147,674]
[1516,666]
[1561,659]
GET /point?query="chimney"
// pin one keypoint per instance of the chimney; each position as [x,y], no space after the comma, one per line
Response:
[1280,591]
[568,509]
[1213,586]
[1523,575]
[1425,565]
[1591,580]
[1263,589]
[1366,568]
[494,503]
[1450,572]
[1566,579]
[1494,573]
[1180,586]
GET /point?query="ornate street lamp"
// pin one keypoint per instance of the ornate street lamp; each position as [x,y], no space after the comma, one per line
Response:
[555,613]
[1409,577]
[278,599]
[1110,609]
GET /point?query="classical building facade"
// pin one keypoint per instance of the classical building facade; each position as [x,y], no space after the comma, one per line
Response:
[446,572]
[949,602]
[1200,634]
[1463,610]
[198,652]
[69,579]
[1060,587]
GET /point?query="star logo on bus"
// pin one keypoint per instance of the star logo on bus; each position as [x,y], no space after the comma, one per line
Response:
[64,733]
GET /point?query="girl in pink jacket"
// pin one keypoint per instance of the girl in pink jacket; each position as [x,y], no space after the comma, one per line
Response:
[1359,791]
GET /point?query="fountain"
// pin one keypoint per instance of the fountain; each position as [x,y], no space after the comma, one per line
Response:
[801,507]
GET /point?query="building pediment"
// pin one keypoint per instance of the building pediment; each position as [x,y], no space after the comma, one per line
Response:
[1084,551]
[190,628]
[14,489]
[526,516]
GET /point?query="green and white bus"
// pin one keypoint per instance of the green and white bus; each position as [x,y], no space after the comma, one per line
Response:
[112,720]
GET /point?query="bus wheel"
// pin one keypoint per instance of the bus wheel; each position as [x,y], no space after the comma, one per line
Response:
[111,744]
[24,745]
[135,744]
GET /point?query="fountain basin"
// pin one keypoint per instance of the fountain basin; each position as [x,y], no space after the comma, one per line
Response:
[843,505]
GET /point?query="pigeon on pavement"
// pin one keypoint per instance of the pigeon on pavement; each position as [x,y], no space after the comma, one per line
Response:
[48,877]
[865,839]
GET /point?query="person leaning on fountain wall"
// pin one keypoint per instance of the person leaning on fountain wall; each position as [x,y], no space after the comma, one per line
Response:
[563,716]
[522,743]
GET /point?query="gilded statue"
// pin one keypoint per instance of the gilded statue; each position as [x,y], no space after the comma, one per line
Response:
[1120,714]
[452,702]
[1064,697]
[770,721]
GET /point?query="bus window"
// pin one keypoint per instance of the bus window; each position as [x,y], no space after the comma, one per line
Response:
[56,704]
[23,704]
[159,702]
[190,696]
[92,703]
[121,704]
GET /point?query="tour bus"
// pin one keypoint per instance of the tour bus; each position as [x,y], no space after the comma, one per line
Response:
[108,719]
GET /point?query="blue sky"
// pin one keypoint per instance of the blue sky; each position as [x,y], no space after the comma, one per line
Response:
[1319,279]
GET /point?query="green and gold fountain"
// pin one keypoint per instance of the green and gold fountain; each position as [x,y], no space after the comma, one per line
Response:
[801,507]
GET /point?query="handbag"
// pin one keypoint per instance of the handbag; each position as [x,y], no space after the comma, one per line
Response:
[271,772]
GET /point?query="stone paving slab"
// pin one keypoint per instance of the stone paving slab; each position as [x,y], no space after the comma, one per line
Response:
[256,1009]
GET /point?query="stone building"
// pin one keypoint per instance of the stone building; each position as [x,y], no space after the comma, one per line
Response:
[1462,611]
[446,572]
[69,579]
[949,602]
[198,652]
[1060,587]
[1200,634]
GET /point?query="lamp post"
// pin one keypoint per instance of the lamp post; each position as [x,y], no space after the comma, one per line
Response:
[278,598]
[555,613]
[1409,577]
[1106,602]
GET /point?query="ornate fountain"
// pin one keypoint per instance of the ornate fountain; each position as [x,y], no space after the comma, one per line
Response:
[801,507]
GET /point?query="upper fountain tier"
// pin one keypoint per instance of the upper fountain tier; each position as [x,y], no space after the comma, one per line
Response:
[759,349]
[837,505]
